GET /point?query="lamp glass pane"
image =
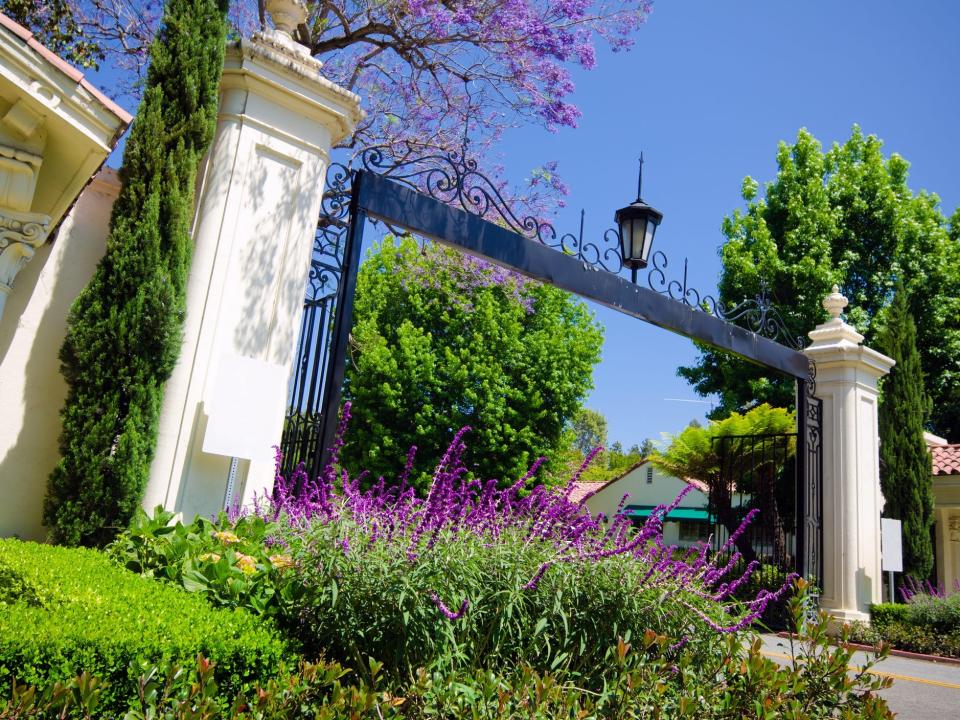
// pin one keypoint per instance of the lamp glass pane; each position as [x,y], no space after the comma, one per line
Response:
[648,238]
[625,228]
[639,230]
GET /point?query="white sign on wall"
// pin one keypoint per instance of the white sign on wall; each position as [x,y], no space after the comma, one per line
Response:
[247,399]
[891,545]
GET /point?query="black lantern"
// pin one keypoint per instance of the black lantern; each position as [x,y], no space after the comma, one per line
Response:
[637,223]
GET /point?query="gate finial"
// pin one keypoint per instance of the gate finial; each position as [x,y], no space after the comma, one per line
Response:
[835,302]
[287,16]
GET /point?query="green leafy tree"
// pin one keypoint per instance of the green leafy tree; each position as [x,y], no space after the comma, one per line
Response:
[124,330]
[905,469]
[442,340]
[844,216]
[699,452]
[589,430]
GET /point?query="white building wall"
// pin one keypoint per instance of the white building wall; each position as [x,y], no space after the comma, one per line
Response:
[663,490]
[32,329]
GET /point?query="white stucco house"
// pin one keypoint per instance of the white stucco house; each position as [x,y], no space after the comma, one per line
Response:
[946,510]
[56,130]
[646,487]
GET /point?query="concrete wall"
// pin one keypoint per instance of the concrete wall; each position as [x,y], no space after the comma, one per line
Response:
[31,333]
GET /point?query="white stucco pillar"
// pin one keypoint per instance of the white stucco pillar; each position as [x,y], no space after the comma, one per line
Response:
[846,382]
[258,204]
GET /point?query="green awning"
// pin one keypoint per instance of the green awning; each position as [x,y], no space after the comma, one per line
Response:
[681,513]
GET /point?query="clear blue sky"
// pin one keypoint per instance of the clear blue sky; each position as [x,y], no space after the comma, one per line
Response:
[707,93]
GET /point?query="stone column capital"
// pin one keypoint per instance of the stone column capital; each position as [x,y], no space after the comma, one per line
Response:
[837,344]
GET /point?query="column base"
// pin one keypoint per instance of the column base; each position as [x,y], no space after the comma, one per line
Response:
[841,616]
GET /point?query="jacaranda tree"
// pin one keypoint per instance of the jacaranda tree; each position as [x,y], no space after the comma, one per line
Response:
[422,67]
[442,340]
[124,330]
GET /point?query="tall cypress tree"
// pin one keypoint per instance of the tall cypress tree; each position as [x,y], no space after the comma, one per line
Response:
[125,329]
[905,470]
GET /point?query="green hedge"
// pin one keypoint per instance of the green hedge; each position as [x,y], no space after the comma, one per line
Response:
[926,625]
[886,613]
[64,611]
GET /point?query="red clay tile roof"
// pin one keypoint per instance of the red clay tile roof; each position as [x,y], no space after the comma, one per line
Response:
[698,484]
[582,490]
[63,66]
[946,459]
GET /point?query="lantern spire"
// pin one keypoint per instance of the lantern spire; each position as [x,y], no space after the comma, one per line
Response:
[640,176]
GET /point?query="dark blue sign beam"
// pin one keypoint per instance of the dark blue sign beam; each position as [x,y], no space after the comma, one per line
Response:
[402,207]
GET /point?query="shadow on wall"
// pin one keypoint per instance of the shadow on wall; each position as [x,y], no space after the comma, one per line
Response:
[267,325]
[31,333]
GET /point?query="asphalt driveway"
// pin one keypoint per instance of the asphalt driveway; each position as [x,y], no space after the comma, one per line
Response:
[922,690]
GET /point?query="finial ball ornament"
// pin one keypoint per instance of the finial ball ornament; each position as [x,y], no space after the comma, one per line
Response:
[287,14]
[834,303]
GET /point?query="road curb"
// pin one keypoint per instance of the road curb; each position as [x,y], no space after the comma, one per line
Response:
[893,651]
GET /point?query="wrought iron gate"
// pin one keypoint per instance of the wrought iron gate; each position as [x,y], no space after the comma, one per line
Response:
[446,198]
[311,383]
[778,477]
[757,473]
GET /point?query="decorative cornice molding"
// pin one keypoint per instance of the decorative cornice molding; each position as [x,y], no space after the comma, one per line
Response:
[20,236]
[293,80]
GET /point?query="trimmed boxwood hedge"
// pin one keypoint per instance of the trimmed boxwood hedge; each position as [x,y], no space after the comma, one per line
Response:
[885,613]
[64,611]
[925,625]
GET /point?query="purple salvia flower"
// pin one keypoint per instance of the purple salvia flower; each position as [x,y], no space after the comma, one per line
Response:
[447,612]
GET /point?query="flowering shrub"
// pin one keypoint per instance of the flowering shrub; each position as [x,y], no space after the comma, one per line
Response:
[232,561]
[471,576]
[929,622]
[474,576]
[913,589]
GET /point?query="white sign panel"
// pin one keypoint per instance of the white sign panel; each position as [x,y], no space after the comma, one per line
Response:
[245,410]
[891,545]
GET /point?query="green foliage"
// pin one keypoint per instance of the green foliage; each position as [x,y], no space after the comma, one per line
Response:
[229,563]
[847,217]
[54,24]
[442,340]
[926,624]
[905,466]
[885,613]
[644,678]
[124,329]
[693,453]
[940,614]
[589,430]
[607,464]
[81,613]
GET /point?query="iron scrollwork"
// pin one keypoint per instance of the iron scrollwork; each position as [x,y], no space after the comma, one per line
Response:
[455,179]
[326,263]
[758,315]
